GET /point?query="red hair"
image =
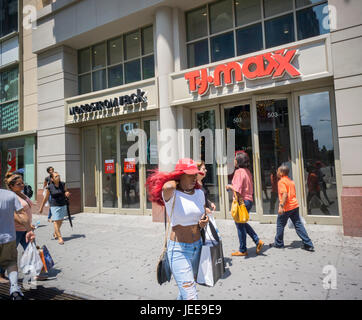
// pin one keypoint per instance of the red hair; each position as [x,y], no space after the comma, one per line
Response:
[157,179]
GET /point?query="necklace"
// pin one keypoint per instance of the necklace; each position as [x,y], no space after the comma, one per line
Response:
[187,192]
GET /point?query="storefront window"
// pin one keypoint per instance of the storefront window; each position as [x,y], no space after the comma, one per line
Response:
[275,7]
[310,22]
[115,51]
[9,105]
[221,16]
[8,17]
[249,39]
[115,76]
[275,149]
[247,11]
[252,25]
[9,85]
[318,154]
[132,71]
[84,61]
[132,44]
[84,83]
[16,154]
[99,56]
[109,160]
[222,47]
[150,127]
[147,40]
[99,80]
[207,120]
[117,61]
[129,168]
[238,119]
[148,69]
[198,53]
[279,31]
[196,22]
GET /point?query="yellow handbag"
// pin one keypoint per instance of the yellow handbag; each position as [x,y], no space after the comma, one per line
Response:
[238,211]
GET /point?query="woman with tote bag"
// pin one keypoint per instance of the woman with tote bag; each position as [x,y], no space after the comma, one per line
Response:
[184,202]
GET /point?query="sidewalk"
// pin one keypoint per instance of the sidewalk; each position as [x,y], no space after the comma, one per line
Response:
[114,257]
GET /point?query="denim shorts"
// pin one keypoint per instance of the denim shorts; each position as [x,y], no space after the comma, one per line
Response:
[184,259]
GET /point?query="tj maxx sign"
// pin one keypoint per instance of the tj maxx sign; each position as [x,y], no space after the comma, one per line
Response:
[272,64]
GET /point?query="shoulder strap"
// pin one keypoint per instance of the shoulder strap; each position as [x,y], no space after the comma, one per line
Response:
[169,221]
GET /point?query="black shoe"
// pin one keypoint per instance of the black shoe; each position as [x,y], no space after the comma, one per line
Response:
[16,296]
[307,248]
[272,245]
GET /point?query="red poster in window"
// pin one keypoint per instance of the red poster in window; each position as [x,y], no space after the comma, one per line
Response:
[109,166]
[12,160]
[130,165]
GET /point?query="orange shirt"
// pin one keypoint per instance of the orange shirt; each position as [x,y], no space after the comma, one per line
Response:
[286,185]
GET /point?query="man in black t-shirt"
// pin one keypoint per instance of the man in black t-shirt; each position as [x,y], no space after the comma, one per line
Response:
[47,182]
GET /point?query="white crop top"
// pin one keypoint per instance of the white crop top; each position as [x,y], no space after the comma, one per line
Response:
[189,208]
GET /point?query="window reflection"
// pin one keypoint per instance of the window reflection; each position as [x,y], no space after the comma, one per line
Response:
[318,154]
[238,119]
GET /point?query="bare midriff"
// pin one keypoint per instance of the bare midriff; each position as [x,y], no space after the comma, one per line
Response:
[186,234]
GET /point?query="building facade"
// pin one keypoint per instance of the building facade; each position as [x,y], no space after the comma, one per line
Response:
[278,79]
[18,92]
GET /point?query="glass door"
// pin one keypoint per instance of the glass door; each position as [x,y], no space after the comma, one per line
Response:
[90,170]
[109,172]
[207,119]
[129,169]
[317,148]
[274,148]
[238,117]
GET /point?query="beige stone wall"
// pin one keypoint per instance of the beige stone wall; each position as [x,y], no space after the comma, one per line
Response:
[30,97]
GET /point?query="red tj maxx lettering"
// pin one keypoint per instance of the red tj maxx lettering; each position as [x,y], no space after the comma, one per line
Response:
[274,64]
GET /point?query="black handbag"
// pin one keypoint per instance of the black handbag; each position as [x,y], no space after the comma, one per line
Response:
[163,267]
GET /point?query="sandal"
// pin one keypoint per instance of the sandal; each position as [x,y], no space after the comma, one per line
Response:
[54,237]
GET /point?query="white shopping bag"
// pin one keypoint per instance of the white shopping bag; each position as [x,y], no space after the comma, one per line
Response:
[205,273]
[291,225]
[44,194]
[208,232]
[30,262]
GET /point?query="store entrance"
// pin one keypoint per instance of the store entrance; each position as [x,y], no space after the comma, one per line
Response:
[112,172]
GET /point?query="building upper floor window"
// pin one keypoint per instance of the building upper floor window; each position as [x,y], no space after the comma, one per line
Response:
[9,104]
[229,28]
[8,17]
[125,59]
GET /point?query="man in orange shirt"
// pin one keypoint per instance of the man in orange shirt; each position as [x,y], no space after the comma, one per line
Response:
[289,208]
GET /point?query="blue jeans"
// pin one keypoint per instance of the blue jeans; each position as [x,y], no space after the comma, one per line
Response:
[20,238]
[299,228]
[245,228]
[50,212]
[184,259]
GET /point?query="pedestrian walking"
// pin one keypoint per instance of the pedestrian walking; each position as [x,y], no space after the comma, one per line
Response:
[289,209]
[184,203]
[15,183]
[47,181]
[210,206]
[28,190]
[10,209]
[242,186]
[58,192]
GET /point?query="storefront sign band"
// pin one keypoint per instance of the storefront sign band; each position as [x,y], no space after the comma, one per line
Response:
[135,98]
[271,64]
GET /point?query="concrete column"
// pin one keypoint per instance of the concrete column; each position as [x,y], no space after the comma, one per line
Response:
[346,52]
[165,66]
[58,146]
